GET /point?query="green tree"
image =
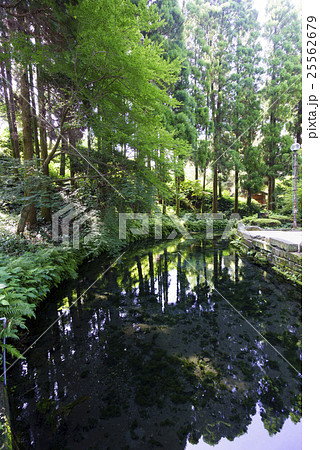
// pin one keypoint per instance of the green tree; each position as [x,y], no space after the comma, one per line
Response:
[243,93]
[180,118]
[282,93]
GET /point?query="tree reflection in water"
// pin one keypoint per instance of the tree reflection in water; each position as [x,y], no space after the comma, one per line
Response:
[153,357]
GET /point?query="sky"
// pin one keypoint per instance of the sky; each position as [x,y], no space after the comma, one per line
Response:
[260,6]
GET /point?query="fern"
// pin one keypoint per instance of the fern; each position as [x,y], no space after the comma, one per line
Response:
[13,351]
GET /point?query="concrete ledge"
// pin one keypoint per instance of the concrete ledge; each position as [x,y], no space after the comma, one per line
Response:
[284,245]
[261,244]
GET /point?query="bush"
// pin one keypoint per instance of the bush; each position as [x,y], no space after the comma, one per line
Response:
[192,192]
[282,218]
[226,205]
[195,224]
[263,223]
[245,210]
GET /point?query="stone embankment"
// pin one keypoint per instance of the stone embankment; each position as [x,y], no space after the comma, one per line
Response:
[280,249]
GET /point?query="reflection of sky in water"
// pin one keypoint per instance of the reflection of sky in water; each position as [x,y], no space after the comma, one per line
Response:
[258,438]
[172,289]
[227,262]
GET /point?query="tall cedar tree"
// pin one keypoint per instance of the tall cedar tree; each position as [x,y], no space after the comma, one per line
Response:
[283,89]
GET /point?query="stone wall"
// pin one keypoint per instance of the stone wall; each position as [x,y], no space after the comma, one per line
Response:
[284,257]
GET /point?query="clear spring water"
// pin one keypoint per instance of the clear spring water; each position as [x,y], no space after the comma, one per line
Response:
[166,350]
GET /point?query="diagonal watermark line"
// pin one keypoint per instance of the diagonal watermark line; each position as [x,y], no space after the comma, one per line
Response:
[242,316]
[253,123]
[65,140]
[63,314]
[257,331]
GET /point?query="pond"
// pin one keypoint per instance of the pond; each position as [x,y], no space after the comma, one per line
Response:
[179,346]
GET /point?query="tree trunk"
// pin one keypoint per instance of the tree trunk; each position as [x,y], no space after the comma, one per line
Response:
[196,172]
[177,195]
[216,112]
[203,189]
[72,143]
[271,183]
[236,191]
[215,190]
[28,213]
[50,156]
[299,128]
[249,197]
[64,149]
[6,99]
[220,189]
[42,122]
[89,140]
[8,93]
[34,116]
[45,209]
[164,206]
[49,118]
[15,135]
[62,171]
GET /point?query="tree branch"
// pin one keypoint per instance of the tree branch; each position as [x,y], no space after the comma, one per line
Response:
[56,145]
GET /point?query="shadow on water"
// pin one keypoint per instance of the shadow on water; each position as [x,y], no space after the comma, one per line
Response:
[152,356]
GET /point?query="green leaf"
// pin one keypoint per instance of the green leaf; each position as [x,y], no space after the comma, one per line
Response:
[4,302]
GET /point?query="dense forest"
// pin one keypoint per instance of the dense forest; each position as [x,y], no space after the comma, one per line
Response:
[135,106]
[113,98]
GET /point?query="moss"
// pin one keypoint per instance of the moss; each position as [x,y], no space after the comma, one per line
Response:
[261,258]
[294,277]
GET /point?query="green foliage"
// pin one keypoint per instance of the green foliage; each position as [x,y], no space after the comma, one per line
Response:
[284,196]
[282,218]
[263,223]
[226,204]
[27,279]
[192,192]
[15,176]
[283,31]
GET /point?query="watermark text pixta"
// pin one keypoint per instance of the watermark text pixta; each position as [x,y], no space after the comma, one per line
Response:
[146,222]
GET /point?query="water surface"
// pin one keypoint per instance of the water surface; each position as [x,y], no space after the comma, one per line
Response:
[166,350]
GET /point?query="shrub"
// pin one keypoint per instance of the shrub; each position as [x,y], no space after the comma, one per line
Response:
[282,218]
[226,205]
[245,210]
[263,223]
